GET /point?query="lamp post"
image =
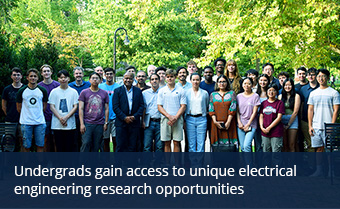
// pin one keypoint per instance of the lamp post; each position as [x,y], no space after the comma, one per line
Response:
[126,42]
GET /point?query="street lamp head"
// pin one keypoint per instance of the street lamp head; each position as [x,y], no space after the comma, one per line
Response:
[126,41]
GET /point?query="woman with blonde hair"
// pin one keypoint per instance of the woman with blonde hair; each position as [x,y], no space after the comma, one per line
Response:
[233,76]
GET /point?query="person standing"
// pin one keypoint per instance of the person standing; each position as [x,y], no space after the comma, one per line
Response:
[63,102]
[100,71]
[196,112]
[171,104]
[208,84]
[93,115]
[150,70]
[219,64]
[182,75]
[291,101]
[302,73]
[192,68]
[9,103]
[152,117]
[233,76]
[31,102]
[323,107]
[253,74]
[129,106]
[268,69]
[222,109]
[79,85]
[247,120]
[109,86]
[271,113]
[304,93]
[161,72]
[49,84]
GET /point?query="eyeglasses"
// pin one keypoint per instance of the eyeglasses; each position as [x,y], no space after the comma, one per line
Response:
[312,75]
[222,82]
[141,76]
[322,76]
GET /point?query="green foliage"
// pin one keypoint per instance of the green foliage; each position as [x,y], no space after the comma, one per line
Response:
[160,33]
[291,33]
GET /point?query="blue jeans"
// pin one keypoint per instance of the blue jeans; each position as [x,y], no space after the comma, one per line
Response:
[245,139]
[92,139]
[196,132]
[152,133]
[39,135]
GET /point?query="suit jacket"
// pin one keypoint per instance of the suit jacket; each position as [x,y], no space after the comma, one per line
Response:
[121,106]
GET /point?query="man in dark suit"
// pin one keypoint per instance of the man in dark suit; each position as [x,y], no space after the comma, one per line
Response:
[128,105]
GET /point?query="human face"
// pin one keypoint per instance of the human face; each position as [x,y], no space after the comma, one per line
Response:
[302,75]
[32,78]
[131,70]
[252,76]
[170,79]
[247,85]
[195,81]
[208,74]
[141,77]
[311,77]
[263,82]
[154,80]
[222,84]
[109,76]
[192,69]
[288,87]
[268,70]
[46,73]
[182,74]
[271,92]
[63,79]
[16,77]
[78,75]
[128,79]
[151,70]
[95,80]
[231,68]
[322,79]
[282,78]
[99,70]
[161,74]
[220,67]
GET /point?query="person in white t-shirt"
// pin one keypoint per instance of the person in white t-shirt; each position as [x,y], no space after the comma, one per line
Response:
[323,107]
[63,102]
[31,104]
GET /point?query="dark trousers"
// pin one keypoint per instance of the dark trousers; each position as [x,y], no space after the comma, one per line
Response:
[65,140]
[126,138]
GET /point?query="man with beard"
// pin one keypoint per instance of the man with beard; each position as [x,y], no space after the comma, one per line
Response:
[208,84]
[182,75]
[79,85]
[129,106]
[141,78]
[219,66]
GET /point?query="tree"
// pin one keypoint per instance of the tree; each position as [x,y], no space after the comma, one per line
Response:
[301,32]
[160,32]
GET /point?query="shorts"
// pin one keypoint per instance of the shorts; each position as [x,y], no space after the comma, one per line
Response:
[111,129]
[319,138]
[285,120]
[39,135]
[176,131]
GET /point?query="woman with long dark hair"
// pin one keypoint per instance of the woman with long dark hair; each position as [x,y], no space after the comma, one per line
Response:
[222,109]
[292,102]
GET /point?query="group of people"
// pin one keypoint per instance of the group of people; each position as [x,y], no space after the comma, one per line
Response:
[138,116]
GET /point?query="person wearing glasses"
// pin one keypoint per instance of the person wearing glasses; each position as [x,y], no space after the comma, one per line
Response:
[141,78]
[304,94]
[222,109]
[219,67]
[93,115]
[109,86]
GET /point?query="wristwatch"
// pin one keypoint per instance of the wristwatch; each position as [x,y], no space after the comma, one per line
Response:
[106,123]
